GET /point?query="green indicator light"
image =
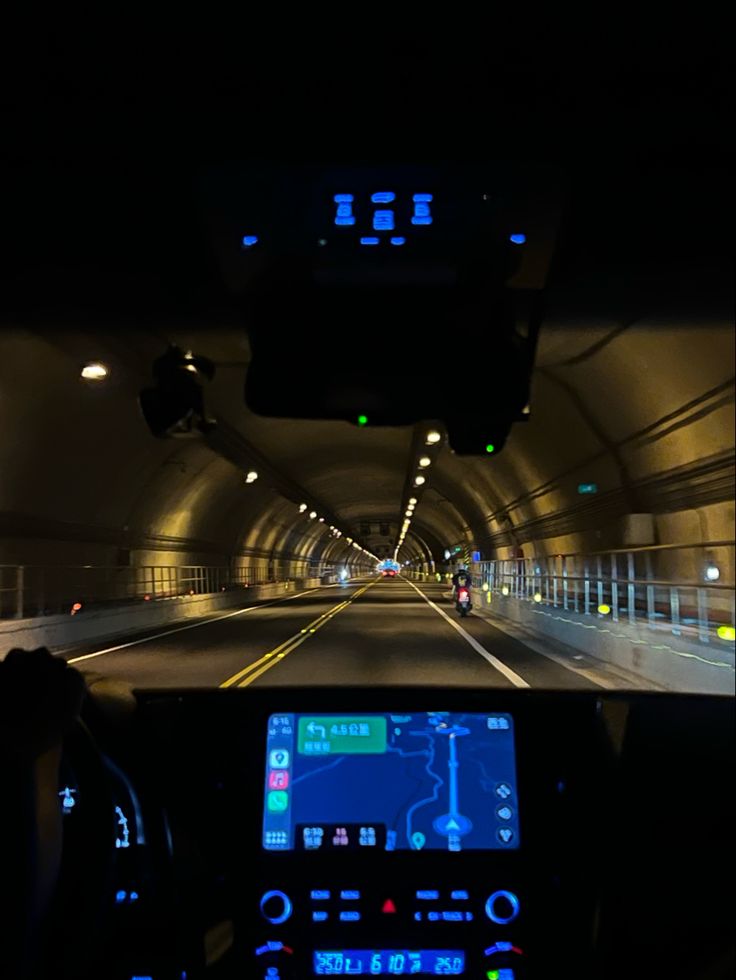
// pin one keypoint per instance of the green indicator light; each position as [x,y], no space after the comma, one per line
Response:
[362,420]
[490,448]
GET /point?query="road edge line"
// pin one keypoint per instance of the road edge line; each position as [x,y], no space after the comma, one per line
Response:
[516,679]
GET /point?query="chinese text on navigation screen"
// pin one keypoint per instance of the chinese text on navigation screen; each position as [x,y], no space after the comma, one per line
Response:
[421,781]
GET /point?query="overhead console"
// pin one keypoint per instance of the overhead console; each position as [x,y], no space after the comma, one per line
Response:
[320,255]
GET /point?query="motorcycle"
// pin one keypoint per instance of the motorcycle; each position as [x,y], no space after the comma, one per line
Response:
[462,600]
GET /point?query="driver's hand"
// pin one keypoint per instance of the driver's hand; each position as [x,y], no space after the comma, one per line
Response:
[40,698]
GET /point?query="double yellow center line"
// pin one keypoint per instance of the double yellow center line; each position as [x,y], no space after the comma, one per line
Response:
[253,671]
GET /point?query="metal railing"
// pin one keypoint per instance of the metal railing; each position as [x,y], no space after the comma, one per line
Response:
[43,590]
[628,585]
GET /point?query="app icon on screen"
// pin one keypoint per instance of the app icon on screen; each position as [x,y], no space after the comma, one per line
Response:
[280,758]
[278,801]
[278,779]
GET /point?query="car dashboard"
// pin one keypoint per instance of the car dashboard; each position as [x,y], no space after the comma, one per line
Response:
[282,834]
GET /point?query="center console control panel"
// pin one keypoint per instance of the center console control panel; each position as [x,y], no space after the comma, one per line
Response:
[339,928]
[391,846]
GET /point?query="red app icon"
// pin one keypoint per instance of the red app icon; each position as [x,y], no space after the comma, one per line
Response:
[278,779]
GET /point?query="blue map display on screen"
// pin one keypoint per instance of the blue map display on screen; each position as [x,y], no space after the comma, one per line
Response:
[421,781]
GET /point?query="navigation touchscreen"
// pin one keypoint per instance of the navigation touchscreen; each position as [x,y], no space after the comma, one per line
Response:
[391,782]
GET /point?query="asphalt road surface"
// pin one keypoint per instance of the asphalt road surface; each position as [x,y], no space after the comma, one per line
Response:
[384,631]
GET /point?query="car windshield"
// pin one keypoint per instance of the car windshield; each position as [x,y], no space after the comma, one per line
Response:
[463,418]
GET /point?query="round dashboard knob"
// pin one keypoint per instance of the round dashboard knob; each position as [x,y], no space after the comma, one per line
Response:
[276,907]
[502,907]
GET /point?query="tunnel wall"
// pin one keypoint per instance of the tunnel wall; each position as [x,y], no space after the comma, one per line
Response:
[653,656]
[645,413]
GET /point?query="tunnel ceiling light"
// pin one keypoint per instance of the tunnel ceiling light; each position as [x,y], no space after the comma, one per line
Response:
[712,572]
[419,480]
[413,501]
[251,476]
[409,511]
[312,515]
[302,508]
[425,461]
[94,371]
[321,520]
[433,437]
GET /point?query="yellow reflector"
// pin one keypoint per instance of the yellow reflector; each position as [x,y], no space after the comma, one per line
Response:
[537,596]
[485,586]
[604,610]
[727,633]
[505,590]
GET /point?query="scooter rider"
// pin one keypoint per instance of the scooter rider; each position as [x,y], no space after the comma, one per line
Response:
[461,579]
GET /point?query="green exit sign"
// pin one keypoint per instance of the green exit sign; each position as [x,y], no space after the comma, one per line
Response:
[587,488]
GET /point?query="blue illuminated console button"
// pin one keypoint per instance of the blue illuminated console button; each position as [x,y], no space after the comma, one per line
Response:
[319,895]
[350,917]
[320,916]
[502,907]
[428,896]
[350,896]
[276,907]
[460,896]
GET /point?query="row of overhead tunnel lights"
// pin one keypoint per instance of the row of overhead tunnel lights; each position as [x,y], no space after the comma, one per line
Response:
[432,439]
[96,371]
[312,515]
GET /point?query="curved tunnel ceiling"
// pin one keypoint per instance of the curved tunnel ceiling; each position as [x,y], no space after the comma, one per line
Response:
[80,468]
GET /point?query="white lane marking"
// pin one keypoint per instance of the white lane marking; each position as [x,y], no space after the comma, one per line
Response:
[191,626]
[501,667]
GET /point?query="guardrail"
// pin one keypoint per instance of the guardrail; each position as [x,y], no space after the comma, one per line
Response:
[628,585]
[43,590]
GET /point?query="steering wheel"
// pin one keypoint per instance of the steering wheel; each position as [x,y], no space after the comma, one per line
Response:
[49,911]
[77,917]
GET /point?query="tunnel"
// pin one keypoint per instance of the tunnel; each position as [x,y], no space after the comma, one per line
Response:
[97,512]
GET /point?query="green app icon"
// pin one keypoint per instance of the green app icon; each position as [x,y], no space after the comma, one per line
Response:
[278,801]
